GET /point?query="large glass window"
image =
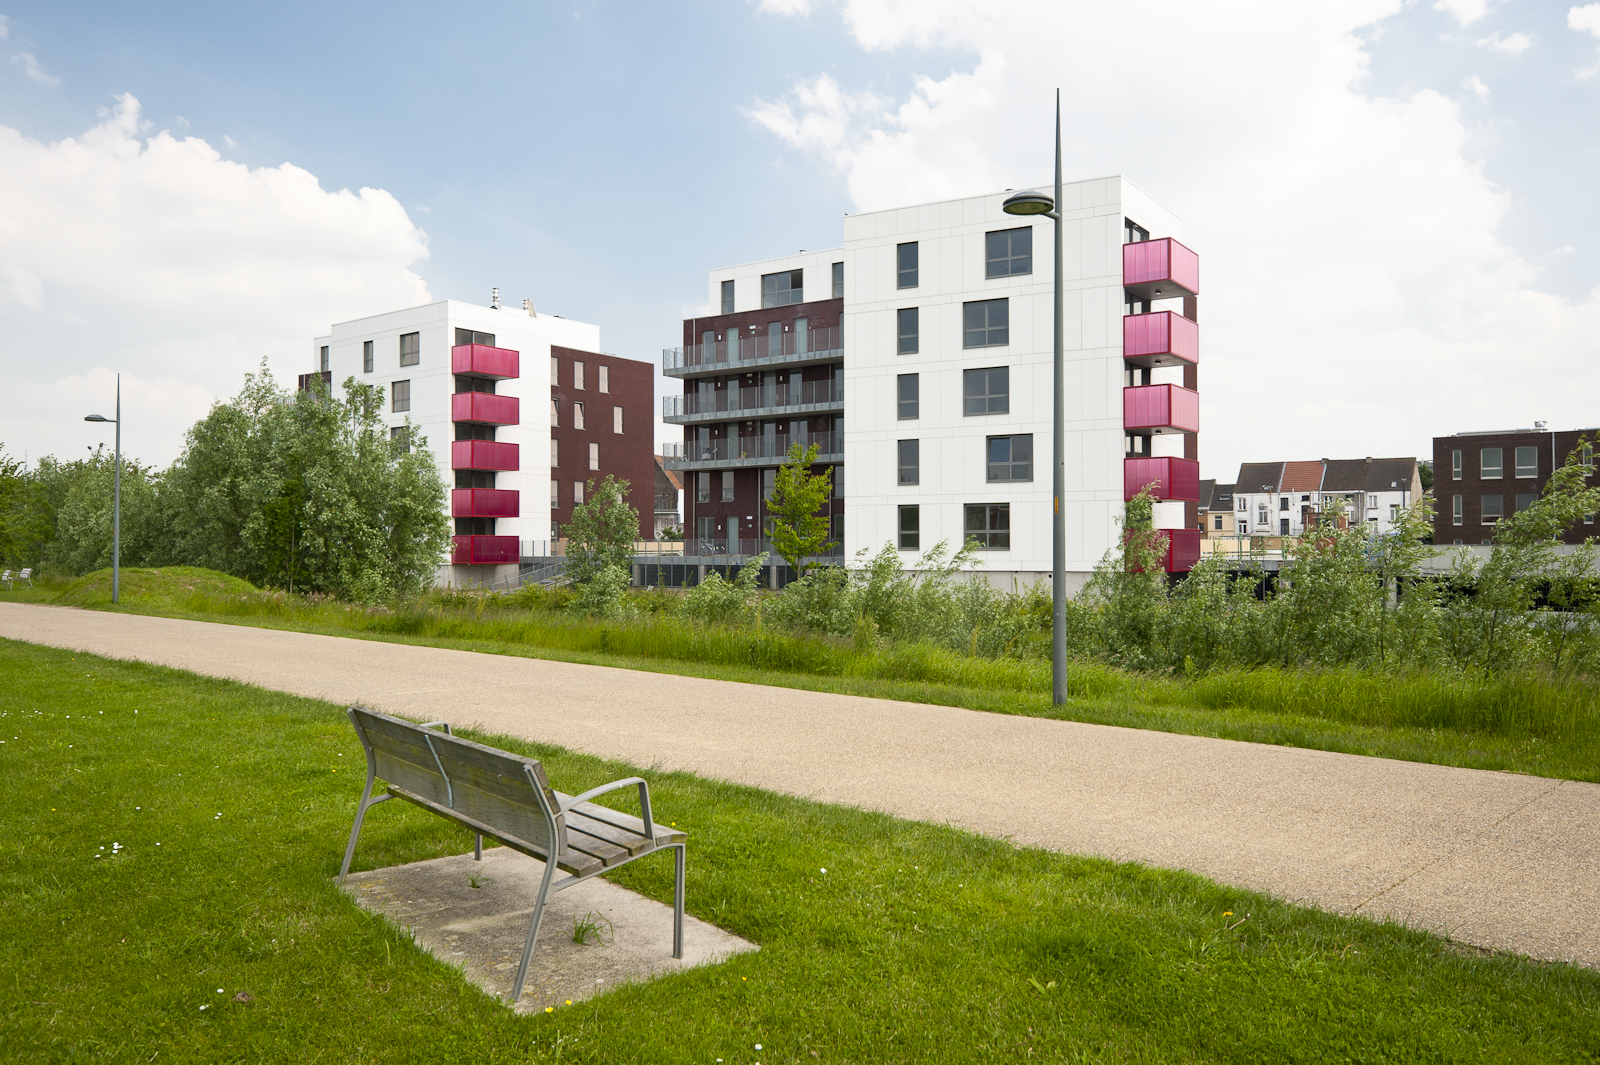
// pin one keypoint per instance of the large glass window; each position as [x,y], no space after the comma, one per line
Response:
[1010,252]
[727,486]
[1492,508]
[1133,232]
[577,416]
[594,456]
[909,401]
[782,289]
[910,462]
[366,356]
[987,390]
[990,525]
[1455,465]
[324,365]
[838,281]
[1011,458]
[410,349]
[1525,500]
[472,336]
[400,396]
[727,297]
[702,486]
[605,378]
[907,317]
[1527,462]
[769,484]
[401,434]
[616,419]
[1491,463]
[985,323]
[1455,510]
[910,528]
[577,377]
[905,256]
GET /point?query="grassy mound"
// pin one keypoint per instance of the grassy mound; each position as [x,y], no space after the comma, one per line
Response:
[147,589]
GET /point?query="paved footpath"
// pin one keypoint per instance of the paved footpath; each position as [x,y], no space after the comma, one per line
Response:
[1498,860]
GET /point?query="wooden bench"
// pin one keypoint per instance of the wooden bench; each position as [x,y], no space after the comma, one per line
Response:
[506,797]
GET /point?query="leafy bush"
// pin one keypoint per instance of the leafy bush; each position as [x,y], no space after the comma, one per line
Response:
[717,600]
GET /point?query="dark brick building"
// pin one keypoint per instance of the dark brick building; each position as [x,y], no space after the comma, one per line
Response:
[1479,478]
[602,420]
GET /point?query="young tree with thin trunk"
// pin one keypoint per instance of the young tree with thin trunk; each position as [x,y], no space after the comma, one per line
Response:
[798,531]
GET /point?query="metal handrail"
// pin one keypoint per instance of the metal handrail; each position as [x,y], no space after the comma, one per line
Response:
[815,344]
[766,397]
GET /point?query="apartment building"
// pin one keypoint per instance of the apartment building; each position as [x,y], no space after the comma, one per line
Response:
[937,321]
[1481,477]
[508,401]
[1289,498]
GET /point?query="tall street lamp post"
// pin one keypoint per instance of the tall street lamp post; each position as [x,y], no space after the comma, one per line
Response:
[1035,203]
[116,493]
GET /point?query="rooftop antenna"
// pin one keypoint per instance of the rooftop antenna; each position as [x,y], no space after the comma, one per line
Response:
[1538,426]
[494,299]
[527,305]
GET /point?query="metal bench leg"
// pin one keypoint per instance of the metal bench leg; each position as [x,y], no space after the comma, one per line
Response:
[533,928]
[677,900]
[367,802]
[477,847]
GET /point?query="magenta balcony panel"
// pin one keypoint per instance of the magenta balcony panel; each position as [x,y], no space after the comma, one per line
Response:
[483,455]
[1183,549]
[483,503]
[1159,270]
[1164,338]
[483,550]
[1168,478]
[1161,409]
[484,407]
[480,360]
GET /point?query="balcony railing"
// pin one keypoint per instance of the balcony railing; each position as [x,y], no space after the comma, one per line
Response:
[696,547]
[754,402]
[1161,409]
[1159,270]
[1168,478]
[306,380]
[481,360]
[1183,550]
[815,345]
[1164,338]
[483,455]
[752,451]
[484,407]
[483,550]
[484,503]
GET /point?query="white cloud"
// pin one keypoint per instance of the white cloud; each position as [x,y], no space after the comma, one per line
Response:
[1465,11]
[30,66]
[1351,241]
[1515,44]
[1585,19]
[5,27]
[159,258]
[786,7]
[1476,84]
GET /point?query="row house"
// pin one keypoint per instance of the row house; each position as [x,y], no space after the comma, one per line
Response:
[1290,498]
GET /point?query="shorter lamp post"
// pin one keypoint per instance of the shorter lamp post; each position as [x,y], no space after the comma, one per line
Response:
[116,493]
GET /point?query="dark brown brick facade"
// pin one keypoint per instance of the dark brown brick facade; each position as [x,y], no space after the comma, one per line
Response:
[629,456]
[1550,451]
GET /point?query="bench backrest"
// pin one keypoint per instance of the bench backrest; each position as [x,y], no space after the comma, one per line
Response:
[485,784]
[26,574]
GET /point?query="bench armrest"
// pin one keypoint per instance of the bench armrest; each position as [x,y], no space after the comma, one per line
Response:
[437,724]
[644,800]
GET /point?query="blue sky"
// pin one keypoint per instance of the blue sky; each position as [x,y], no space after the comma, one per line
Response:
[1425,169]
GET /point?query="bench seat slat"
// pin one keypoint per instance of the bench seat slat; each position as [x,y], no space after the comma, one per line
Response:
[626,822]
[572,861]
[583,843]
[632,842]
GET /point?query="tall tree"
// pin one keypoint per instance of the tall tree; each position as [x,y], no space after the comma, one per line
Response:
[602,531]
[798,530]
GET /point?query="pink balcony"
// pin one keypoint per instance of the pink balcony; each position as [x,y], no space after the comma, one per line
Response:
[1183,549]
[480,360]
[1164,338]
[1159,270]
[483,550]
[482,455]
[483,503]
[1169,478]
[1161,409]
[483,407]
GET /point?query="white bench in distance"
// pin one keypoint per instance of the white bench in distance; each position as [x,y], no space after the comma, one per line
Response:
[507,797]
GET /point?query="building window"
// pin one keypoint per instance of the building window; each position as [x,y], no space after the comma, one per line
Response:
[616,419]
[1011,458]
[401,434]
[1455,510]
[1525,500]
[1133,232]
[1216,523]
[555,452]
[1010,252]
[909,401]
[577,413]
[470,336]
[727,297]
[727,486]
[1492,508]
[1491,463]
[555,494]
[555,371]
[1455,465]
[1244,505]
[769,484]
[910,462]
[905,257]
[1394,511]
[605,379]
[555,412]
[911,528]
[908,330]
[702,487]
[986,323]
[577,375]
[366,356]
[400,396]
[1527,461]
[410,349]
[987,391]
[594,456]
[838,281]
[577,493]
[1261,514]
[324,365]
[782,289]
[1283,503]
[990,525]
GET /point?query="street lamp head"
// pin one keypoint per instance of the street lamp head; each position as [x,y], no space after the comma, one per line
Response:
[1029,202]
[97,418]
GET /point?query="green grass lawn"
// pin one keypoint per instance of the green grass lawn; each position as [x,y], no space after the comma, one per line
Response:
[167,844]
[1369,714]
